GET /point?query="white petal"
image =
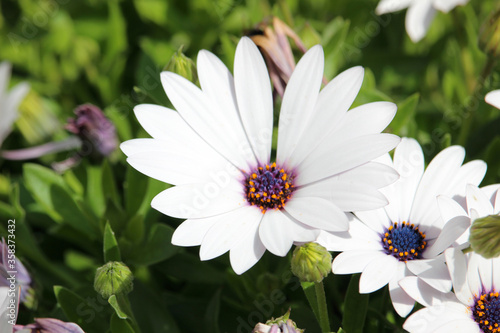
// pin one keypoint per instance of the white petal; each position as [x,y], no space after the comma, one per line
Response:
[253,92]
[418,19]
[247,252]
[473,278]
[423,293]
[217,83]
[447,5]
[10,105]
[5,70]
[191,232]
[376,219]
[298,101]
[478,201]
[438,317]
[347,196]
[197,110]
[486,273]
[273,232]
[161,122]
[436,180]
[228,231]
[371,118]
[200,200]
[317,213]
[389,6]
[457,266]
[333,102]
[432,271]
[449,208]
[300,232]
[470,173]
[335,157]
[493,98]
[452,230]
[351,262]
[373,174]
[359,237]
[402,302]
[377,274]
[496,273]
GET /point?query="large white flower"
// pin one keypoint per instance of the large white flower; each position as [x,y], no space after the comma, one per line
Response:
[475,305]
[406,238]
[420,13]
[217,149]
[9,100]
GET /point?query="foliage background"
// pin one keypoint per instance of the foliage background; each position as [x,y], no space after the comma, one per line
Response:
[110,53]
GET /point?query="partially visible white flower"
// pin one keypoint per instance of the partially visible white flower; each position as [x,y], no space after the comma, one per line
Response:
[493,98]
[475,305]
[407,237]
[216,149]
[420,13]
[9,100]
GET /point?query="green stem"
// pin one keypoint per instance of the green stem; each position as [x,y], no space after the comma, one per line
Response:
[324,323]
[468,112]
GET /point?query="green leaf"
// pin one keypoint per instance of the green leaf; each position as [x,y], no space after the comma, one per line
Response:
[108,183]
[120,305]
[405,114]
[135,229]
[355,307]
[115,216]
[111,249]
[135,187]
[87,313]
[119,325]
[212,314]
[310,292]
[157,247]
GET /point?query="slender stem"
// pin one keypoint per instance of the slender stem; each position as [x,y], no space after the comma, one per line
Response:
[469,109]
[324,323]
[70,143]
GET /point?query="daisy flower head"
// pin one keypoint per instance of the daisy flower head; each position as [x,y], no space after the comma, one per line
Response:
[216,149]
[420,13]
[474,307]
[9,100]
[407,237]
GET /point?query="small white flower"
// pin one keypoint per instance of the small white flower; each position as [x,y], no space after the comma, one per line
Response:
[475,305]
[420,13]
[493,98]
[406,238]
[9,100]
[216,149]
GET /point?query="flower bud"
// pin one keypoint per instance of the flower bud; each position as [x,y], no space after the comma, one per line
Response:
[311,262]
[182,65]
[489,36]
[485,236]
[97,133]
[282,324]
[112,279]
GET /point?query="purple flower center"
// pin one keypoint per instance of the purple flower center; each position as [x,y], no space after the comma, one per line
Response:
[403,241]
[486,312]
[268,187]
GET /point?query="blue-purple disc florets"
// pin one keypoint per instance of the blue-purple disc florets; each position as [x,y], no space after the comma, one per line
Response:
[268,187]
[403,241]
[486,312]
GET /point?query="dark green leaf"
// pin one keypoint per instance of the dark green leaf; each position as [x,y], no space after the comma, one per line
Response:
[355,308]
[111,249]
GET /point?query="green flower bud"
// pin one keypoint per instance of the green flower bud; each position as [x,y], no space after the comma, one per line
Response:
[489,36]
[182,65]
[485,236]
[311,262]
[112,279]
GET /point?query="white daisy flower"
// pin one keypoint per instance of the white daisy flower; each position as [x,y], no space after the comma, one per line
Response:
[475,305]
[9,100]
[420,13]
[406,238]
[493,98]
[216,149]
